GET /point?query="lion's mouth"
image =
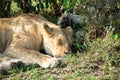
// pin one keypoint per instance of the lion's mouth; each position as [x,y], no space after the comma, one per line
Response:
[60,57]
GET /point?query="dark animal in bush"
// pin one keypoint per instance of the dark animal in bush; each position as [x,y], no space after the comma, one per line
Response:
[69,19]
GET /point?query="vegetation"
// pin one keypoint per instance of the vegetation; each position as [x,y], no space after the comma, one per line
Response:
[95,56]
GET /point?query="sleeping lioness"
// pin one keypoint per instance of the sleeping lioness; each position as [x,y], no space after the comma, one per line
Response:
[22,37]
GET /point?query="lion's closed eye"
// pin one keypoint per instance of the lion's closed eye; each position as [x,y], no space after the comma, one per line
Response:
[60,42]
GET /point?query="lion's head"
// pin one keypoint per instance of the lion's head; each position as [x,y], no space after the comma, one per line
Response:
[56,41]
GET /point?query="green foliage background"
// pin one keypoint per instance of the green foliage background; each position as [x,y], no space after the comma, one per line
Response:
[97,13]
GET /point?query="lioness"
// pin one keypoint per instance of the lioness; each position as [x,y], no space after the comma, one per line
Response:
[22,37]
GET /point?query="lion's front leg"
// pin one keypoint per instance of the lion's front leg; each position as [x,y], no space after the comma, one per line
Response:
[8,63]
[31,56]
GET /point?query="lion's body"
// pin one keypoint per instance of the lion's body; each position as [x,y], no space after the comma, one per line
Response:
[22,38]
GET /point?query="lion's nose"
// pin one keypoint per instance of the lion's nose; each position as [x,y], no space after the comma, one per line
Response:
[66,52]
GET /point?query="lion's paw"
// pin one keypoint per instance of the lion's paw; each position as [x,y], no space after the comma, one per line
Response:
[2,69]
[49,63]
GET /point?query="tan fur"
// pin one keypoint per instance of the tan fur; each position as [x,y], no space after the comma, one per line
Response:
[22,37]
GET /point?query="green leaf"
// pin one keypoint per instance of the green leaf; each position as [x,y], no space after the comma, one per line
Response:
[66,3]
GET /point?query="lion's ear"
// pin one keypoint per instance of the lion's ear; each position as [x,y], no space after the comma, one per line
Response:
[46,30]
[69,30]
